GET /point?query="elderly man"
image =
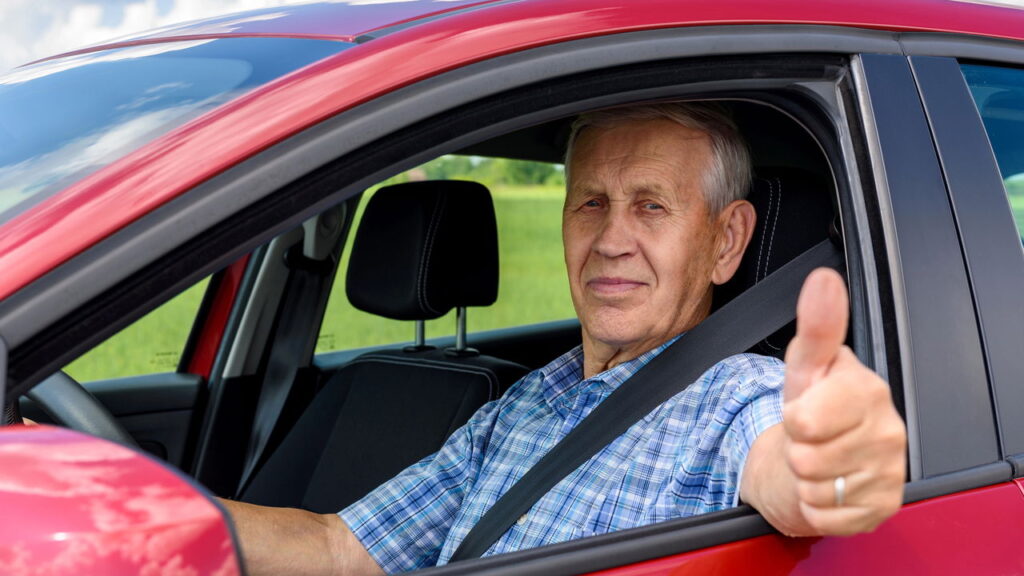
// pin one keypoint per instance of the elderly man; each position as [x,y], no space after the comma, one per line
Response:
[654,217]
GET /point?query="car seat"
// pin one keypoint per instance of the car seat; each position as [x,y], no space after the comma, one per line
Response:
[422,249]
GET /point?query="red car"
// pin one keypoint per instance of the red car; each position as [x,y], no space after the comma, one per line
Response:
[227,158]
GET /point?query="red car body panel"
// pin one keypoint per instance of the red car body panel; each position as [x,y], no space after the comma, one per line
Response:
[216,320]
[322,21]
[73,504]
[106,201]
[974,532]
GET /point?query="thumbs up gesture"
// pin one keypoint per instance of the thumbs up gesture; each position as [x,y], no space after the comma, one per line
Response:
[844,442]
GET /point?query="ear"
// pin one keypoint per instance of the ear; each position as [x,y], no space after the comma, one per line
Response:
[736,226]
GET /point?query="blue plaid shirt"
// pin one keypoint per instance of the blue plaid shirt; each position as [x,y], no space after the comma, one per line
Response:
[684,458]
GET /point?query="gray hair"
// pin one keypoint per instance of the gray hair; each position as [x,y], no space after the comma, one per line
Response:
[730,175]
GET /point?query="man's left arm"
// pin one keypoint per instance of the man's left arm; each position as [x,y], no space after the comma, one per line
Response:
[836,465]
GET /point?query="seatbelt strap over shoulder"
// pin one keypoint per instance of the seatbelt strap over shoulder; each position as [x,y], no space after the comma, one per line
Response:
[290,352]
[737,326]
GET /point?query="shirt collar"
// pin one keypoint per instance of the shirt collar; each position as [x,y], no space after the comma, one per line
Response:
[562,379]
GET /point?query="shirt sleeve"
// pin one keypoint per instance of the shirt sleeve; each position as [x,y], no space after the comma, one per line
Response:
[760,396]
[730,405]
[403,523]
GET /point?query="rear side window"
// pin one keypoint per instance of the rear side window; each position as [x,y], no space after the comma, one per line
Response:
[153,344]
[63,119]
[532,285]
[999,95]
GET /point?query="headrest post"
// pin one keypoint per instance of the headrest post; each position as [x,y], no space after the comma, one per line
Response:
[421,334]
[460,328]
[461,350]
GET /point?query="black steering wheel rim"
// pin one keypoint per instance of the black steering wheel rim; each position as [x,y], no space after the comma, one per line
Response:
[69,404]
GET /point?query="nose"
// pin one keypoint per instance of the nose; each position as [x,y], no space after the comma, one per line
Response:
[617,235]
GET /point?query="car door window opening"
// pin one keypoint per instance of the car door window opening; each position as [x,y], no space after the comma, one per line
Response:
[264,219]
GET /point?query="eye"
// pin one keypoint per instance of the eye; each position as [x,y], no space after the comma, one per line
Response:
[652,206]
[592,203]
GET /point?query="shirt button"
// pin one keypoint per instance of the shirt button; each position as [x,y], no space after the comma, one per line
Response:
[522,520]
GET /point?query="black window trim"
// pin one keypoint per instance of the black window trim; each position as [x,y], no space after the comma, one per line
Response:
[989,236]
[920,237]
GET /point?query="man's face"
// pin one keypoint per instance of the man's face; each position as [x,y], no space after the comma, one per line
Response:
[640,244]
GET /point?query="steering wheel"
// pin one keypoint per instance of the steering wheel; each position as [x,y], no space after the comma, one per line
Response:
[68,403]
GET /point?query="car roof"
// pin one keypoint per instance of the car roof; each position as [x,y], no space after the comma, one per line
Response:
[355,20]
[398,43]
[364,20]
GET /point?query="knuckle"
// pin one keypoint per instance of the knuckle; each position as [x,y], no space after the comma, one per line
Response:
[878,391]
[894,437]
[802,460]
[800,424]
[890,440]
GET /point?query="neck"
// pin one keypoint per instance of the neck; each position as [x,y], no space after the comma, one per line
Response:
[599,355]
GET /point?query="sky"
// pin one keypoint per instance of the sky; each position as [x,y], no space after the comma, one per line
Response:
[33,29]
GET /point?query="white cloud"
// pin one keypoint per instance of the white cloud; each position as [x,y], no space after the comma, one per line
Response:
[89,152]
[34,29]
[53,66]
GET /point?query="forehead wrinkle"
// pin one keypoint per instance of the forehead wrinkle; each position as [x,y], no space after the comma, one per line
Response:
[604,155]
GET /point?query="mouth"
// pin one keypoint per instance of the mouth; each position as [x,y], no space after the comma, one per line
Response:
[607,285]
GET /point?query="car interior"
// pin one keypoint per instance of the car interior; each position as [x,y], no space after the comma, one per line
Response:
[423,248]
[285,427]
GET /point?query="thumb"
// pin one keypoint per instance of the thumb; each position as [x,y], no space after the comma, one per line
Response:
[822,313]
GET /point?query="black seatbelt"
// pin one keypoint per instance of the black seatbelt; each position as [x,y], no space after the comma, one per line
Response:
[738,325]
[289,353]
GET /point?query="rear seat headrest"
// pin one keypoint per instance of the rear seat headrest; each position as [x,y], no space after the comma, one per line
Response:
[423,248]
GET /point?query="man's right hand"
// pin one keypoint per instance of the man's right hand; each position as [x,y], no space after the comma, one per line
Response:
[291,541]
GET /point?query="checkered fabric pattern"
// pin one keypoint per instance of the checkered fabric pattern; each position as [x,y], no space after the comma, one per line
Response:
[684,458]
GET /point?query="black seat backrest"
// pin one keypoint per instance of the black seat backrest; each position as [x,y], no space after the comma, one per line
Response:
[794,212]
[422,249]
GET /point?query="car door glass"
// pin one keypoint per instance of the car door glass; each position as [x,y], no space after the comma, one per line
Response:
[153,344]
[999,95]
[532,283]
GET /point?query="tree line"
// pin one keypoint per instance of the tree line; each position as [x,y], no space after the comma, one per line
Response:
[491,171]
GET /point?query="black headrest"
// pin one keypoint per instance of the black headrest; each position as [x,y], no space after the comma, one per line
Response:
[423,248]
[794,212]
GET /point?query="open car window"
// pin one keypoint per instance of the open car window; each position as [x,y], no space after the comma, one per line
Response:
[799,162]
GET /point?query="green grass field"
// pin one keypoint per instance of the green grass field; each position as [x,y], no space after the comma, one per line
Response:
[151,345]
[533,288]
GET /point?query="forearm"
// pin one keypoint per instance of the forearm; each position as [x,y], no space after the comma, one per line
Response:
[291,541]
[770,486]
